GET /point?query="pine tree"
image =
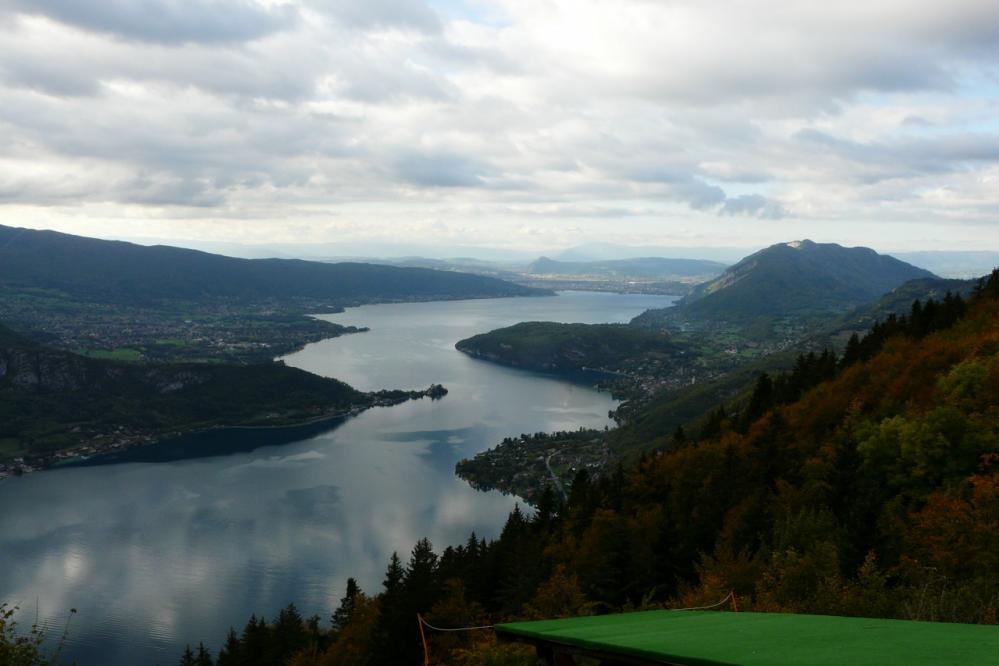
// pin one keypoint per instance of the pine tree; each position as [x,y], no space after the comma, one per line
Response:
[853,353]
[775,457]
[393,624]
[761,401]
[420,583]
[393,578]
[547,510]
[289,634]
[229,654]
[255,642]
[188,658]
[345,612]
[515,525]
[715,423]
[203,658]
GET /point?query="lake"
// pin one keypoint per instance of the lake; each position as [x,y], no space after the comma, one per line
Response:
[172,545]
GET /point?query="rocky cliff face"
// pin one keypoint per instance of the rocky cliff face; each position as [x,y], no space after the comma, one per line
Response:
[32,370]
[28,368]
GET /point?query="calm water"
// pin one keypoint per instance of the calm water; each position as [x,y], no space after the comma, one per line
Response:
[168,548]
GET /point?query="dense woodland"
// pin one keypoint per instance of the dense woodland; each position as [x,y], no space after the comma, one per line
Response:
[51,400]
[863,485]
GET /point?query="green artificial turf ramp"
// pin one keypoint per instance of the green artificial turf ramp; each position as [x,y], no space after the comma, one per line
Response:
[703,638]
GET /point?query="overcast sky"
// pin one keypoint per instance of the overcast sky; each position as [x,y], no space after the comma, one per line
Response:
[512,123]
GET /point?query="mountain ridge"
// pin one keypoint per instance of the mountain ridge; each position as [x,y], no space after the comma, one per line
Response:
[799,277]
[117,271]
[639,267]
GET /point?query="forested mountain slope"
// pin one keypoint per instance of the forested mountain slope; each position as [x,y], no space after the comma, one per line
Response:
[553,346]
[53,401]
[867,485]
[797,278]
[125,273]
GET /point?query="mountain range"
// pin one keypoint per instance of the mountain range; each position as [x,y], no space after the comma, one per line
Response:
[798,278]
[952,264]
[120,272]
[638,267]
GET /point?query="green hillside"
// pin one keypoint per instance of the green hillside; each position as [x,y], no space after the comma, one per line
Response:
[798,278]
[129,302]
[125,273]
[53,401]
[899,300]
[565,347]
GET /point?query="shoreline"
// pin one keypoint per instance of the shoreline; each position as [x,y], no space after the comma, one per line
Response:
[92,454]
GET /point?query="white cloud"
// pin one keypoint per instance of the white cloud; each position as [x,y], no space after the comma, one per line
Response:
[624,118]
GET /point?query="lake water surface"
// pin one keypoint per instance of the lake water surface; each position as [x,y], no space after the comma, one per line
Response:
[167,547]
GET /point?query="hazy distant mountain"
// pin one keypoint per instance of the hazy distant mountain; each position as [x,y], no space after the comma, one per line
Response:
[392,253]
[238,250]
[119,272]
[952,264]
[801,277]
[347,250]
[899,301]
[640,267]
[611,251]
[504,270]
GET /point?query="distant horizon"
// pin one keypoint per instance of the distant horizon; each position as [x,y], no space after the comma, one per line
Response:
[439,251]
[944,263]
[521,249]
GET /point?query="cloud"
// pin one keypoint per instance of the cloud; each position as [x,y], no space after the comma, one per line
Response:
[442,170]
[165,21]
[404,14]
[398,117]
[698,194]
[754,205]
[901,157]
